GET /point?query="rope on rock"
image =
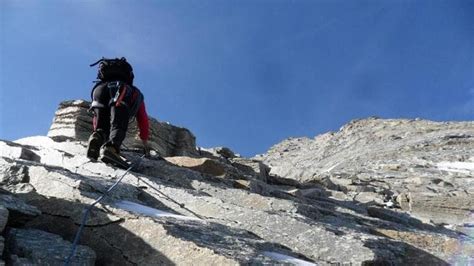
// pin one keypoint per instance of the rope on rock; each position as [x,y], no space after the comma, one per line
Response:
[89,208]
[169,198]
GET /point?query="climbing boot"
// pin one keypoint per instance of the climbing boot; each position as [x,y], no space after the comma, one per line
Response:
[110,155]
[93,147]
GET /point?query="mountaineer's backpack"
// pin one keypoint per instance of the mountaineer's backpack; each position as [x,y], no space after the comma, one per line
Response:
[114,70]
[117,75]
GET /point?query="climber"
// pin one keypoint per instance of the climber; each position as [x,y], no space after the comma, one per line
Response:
[114,102]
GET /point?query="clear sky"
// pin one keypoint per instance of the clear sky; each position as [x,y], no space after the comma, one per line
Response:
[243,74]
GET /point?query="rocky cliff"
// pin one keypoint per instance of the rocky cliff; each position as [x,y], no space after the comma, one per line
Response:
[395,192]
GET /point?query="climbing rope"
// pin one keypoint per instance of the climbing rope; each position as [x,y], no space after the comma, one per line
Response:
[89,208]
[169,198]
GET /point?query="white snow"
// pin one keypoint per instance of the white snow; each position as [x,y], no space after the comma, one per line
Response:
[331,168]
[148,211]
[41,141]
[457,167]
[287,259]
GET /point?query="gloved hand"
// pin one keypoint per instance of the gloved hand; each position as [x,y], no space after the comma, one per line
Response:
[146,149]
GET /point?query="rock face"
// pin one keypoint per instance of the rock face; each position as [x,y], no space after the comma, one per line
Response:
[33,247]
[3,223]
[72,121]
[425,167]
[36,247]
[217,208]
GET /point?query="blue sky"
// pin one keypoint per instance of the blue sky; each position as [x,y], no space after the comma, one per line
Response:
[243,74]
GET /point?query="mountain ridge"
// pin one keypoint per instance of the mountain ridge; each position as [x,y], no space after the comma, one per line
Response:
[357,196]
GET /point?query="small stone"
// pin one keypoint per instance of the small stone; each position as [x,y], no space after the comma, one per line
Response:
[242,184]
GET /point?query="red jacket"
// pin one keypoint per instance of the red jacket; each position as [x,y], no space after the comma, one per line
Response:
[142,121]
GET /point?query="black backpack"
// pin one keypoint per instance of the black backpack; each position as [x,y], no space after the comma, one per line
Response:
[114,70]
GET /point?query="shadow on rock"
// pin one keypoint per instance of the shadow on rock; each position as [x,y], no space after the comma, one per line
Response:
[112,243]
[236,244]
[387,252]
[397,235]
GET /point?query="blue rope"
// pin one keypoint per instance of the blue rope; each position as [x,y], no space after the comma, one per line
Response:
[88,210]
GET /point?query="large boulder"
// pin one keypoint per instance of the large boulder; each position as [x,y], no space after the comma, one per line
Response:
[73,121]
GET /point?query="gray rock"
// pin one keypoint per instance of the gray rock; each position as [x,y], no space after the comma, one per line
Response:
[3,223]
[13,150]
[225,152]
[217,152]
[2,245]
[3,217]
[42,248]
[369,197]
[19,261]
[439,209]
[12,174]
[72,121]
[253,168]
[203,165]
[19,211]
[166,139]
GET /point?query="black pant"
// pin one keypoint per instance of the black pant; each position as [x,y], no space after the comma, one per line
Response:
[111,121]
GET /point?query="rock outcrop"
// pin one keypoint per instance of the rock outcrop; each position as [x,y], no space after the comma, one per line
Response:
[213,207]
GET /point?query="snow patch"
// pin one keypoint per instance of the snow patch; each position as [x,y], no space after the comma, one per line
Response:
[331,168]
[41,141]
[287,259]
[72,147]
[457,167]
[148,211]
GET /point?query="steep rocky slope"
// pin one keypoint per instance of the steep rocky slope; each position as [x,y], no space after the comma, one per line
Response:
[425,167]
[212,207]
